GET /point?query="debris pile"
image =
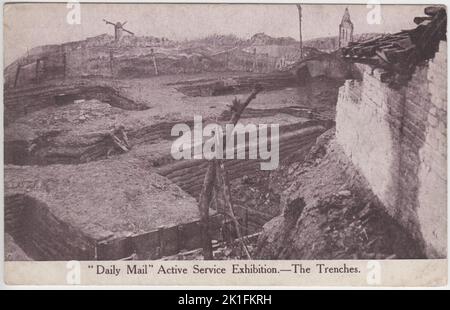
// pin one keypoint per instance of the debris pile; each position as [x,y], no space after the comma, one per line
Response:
[399,53]
[329,212]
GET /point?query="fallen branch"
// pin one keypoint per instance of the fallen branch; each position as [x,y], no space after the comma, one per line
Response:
[237,108]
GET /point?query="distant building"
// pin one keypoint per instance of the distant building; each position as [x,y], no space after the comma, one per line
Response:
[345,30]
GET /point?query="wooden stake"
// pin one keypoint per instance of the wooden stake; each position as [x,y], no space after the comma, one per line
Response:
[221,174]
[111,62]
[205,201]
[19,66]
[216,173]
[299,8]
[36,74]
[255,60]
[155,65]
[64,64]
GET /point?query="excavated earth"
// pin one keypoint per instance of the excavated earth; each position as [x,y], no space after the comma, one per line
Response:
[74,132]
[64,211]
[323,209]
[56,165]
[328,212]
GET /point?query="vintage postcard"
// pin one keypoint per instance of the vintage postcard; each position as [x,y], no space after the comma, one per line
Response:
[225,144]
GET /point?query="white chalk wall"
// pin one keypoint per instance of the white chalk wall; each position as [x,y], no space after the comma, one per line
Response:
[397,139]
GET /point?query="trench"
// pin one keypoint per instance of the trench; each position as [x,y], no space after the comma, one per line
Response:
[43,237]
[40,234]
[18,103]
[34,231]
[110,96]
[30,222]
[255,204]
[252,211]
[45,150]
[234,85]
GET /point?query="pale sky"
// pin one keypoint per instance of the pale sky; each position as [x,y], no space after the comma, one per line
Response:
[31,25]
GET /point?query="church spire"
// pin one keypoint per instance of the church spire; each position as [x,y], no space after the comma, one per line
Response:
[345,29]
[346,17]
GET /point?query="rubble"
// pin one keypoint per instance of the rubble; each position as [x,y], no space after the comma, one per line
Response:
[399,53]
[329,212]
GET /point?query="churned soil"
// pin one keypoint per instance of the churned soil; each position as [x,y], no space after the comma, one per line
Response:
[123,195]
[328,212]
[163,104]
[77,132]
[106,199]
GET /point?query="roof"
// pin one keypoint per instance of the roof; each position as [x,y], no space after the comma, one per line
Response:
[399,53]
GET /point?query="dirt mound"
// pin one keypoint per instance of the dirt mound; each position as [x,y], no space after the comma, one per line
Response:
[330,213]
[104,199]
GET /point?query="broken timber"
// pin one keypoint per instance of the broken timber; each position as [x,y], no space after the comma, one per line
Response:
[155,65]
[398,54]
[16,78]
[216,174]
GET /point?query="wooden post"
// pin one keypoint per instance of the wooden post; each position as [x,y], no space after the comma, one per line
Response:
[36,73]
[227,55]
[155,65]
[111,60]
[205,201]
[221,174]
[255,60]
[216,174]
[299,8]
[19,66]
[64,65]
[246,221]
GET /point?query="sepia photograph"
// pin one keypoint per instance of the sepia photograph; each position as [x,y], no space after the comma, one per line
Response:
[224,132]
